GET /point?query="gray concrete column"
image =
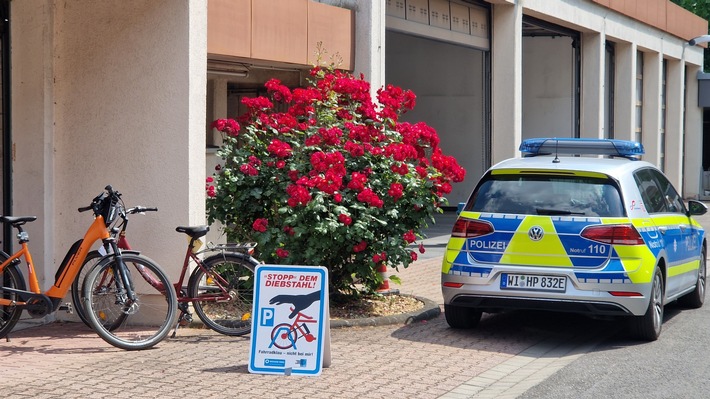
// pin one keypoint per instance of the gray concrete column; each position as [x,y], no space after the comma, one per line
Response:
[693,159]
[625,91]
[506,81]
[592,96]
[652,107]
[369,38]
[674,134]
[33,128]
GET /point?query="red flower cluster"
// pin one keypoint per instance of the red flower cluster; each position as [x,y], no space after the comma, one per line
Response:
[357,181]
[331,153]
[279,148]
[278,91]
[345,219]
[251,168]
[379,258]
[229,126]
[260,225]
[409,236]
[359,247]
[211,190]
[396,191]
[394,99]
[370,198]
[298,195]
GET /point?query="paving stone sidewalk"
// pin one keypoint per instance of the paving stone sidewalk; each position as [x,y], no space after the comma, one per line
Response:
[424,359]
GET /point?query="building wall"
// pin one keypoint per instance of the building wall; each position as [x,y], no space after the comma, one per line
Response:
[108,95]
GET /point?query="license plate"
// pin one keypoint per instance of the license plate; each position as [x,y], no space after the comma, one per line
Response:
[532,282]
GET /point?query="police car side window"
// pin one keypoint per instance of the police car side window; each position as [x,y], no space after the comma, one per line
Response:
[671,197]
[651,194]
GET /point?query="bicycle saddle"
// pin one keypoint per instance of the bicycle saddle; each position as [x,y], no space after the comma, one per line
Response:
[193,231]
[17,220]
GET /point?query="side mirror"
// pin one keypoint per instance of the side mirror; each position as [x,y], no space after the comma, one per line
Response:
[696,208]
[459,208]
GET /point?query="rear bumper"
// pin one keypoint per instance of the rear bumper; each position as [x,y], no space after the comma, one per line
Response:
[493,304]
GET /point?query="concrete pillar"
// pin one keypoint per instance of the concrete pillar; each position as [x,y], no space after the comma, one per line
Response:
[592,96]
[625,91]
[369,38]
[652,107]
[506,82]
[693,160]
[32,96]
[674,132]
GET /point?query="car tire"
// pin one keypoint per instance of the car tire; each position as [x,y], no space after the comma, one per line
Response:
[648,326]
[695,299]
[462,316]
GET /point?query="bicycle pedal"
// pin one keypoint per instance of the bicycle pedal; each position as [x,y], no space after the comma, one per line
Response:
[68,307]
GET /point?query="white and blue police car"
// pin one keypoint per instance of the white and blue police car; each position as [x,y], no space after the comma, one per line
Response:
[575,225]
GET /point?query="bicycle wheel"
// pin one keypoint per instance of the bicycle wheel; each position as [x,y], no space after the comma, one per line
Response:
[144,321]
[77,295]
[225,287]
[9,315]
[77,291]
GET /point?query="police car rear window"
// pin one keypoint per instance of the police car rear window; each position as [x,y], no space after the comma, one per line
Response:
[547,195]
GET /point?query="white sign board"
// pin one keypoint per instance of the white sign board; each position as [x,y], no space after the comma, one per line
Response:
[290,320]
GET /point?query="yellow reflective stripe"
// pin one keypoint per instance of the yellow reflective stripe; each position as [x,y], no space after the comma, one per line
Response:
[453,248]
[682,268]
[552,253]
[470,215]
[663,220]
[638,262]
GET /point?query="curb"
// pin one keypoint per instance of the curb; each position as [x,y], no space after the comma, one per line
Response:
[429,311]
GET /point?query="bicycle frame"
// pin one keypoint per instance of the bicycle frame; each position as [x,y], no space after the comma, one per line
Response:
[68,270]
[219,281]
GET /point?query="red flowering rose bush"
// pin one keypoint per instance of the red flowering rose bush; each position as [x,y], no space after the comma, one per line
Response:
[331,179]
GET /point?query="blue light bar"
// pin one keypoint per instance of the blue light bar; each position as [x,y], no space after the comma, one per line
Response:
[550,146]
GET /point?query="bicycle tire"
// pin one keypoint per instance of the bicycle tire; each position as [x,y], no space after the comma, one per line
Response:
[229,317]
[145,322]
[77,291]
[9,315]
[92,258]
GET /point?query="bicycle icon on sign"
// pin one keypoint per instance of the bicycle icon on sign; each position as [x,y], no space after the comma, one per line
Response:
[285,335]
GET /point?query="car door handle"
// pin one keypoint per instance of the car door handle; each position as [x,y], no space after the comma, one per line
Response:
[683,227]
[663,229]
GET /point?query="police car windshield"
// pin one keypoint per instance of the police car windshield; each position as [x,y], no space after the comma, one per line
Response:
[547,195]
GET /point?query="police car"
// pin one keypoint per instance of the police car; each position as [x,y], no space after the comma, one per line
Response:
[561,230]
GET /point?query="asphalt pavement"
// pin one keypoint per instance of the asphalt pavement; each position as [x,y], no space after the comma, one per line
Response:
[507,355]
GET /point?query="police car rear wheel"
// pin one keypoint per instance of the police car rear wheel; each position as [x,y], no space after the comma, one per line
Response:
[695,299]
[648,326]
[461,316]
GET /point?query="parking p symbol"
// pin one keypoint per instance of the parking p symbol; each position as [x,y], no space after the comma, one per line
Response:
[267,317]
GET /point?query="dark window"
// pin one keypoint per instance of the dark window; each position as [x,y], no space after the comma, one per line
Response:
[674,203]
[547,195]
[657,192]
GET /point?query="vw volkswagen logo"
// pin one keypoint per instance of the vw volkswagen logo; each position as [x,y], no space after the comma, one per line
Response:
[535,233]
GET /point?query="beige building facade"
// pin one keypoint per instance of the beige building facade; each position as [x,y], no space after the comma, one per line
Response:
[122,93]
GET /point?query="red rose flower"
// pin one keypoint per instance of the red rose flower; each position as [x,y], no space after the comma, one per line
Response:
[260,225]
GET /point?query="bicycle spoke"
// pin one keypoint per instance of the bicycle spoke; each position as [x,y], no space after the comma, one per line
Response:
[231,279]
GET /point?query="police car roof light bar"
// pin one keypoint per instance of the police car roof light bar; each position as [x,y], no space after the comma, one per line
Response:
[548,146]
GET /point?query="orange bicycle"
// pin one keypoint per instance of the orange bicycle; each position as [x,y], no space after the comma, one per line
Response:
[146,314]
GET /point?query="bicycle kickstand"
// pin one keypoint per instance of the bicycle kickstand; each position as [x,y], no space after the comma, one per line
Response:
[184,319]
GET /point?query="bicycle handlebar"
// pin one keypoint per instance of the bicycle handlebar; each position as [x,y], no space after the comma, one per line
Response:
[140,209]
